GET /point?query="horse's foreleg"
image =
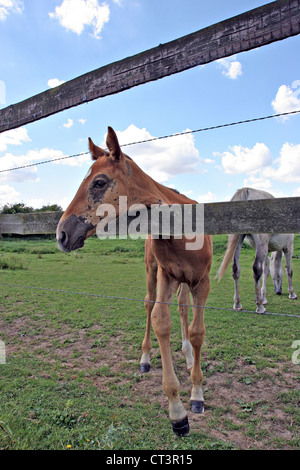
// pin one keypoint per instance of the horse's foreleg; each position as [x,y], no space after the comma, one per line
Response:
[196,335]
[260,259]
[264,283]
[183,298]
[288,266]
[149,304]
[161,322]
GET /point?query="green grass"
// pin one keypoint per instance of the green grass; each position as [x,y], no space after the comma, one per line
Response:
[72,377]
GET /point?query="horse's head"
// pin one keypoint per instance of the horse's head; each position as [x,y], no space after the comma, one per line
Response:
[105,181]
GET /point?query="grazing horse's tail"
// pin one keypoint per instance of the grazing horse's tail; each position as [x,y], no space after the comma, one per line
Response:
[231,247]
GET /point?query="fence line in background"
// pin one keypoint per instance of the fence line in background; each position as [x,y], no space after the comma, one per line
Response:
[276,215]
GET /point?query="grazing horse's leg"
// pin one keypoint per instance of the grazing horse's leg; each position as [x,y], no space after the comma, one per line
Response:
[151,272]
[183,298]
[161,322]
[288,253]
[236,270]
[261,243]
[276,271]
[196,335]
[264,283]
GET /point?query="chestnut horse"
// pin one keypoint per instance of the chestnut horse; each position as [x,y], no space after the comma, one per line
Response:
[170,266]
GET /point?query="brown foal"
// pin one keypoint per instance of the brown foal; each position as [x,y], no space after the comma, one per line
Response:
[170,266]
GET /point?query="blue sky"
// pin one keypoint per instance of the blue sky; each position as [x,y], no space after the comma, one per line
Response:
[45,42]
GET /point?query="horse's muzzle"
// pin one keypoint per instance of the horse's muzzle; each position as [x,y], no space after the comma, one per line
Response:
[72,232]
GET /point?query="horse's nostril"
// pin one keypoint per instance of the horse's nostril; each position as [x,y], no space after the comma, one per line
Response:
[63,238]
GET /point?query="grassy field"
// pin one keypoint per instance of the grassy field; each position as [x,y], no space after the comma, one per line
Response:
[71,378]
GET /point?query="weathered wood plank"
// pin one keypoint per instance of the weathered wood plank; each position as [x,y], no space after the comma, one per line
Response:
[264,25]
[280,215]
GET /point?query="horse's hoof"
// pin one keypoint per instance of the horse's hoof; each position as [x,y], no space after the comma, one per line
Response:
[144,367]
[181,428]
[261,311]
[197,406]
[237,307]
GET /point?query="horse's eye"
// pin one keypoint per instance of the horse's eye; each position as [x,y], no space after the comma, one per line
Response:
[99,184]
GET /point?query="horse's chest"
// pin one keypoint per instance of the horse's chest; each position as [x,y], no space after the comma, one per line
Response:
[178,263]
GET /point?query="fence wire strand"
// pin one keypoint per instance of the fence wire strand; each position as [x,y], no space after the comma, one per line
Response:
[203,129]
[113,297]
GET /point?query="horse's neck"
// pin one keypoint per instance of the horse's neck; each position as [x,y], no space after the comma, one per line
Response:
[169,196]
[152,192]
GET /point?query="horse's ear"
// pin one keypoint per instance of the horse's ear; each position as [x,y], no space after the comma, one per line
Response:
[113,144]
[96,152]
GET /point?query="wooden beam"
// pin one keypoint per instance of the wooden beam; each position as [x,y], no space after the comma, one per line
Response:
[264,25]
[34,223]
[278,215]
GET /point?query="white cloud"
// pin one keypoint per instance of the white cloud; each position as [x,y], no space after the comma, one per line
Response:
[75,15]
[230,67]
[258,183]
[288,165]
[8,195]
[82,121]
[10,6]
[296,193]
[13,137]
[73,161]
[53,82]
[286,99]
[161,159]
[69,123]
[208,197]
[245,160]
[30,158]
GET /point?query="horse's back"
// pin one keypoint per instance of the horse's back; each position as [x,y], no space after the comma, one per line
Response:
[250,194]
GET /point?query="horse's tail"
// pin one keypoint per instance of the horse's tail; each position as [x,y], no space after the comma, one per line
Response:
[231,247]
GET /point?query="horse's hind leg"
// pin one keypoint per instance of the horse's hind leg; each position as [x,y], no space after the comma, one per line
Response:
[276,271]
[288,266]
[261,243]
[196,334]
[183,298]
[151,269]
[161,322]
[236,270]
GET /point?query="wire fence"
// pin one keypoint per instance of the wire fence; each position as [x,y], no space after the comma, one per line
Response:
[203,129]
[113,297]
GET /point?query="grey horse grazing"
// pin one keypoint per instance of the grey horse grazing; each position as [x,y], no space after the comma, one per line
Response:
[278,244]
